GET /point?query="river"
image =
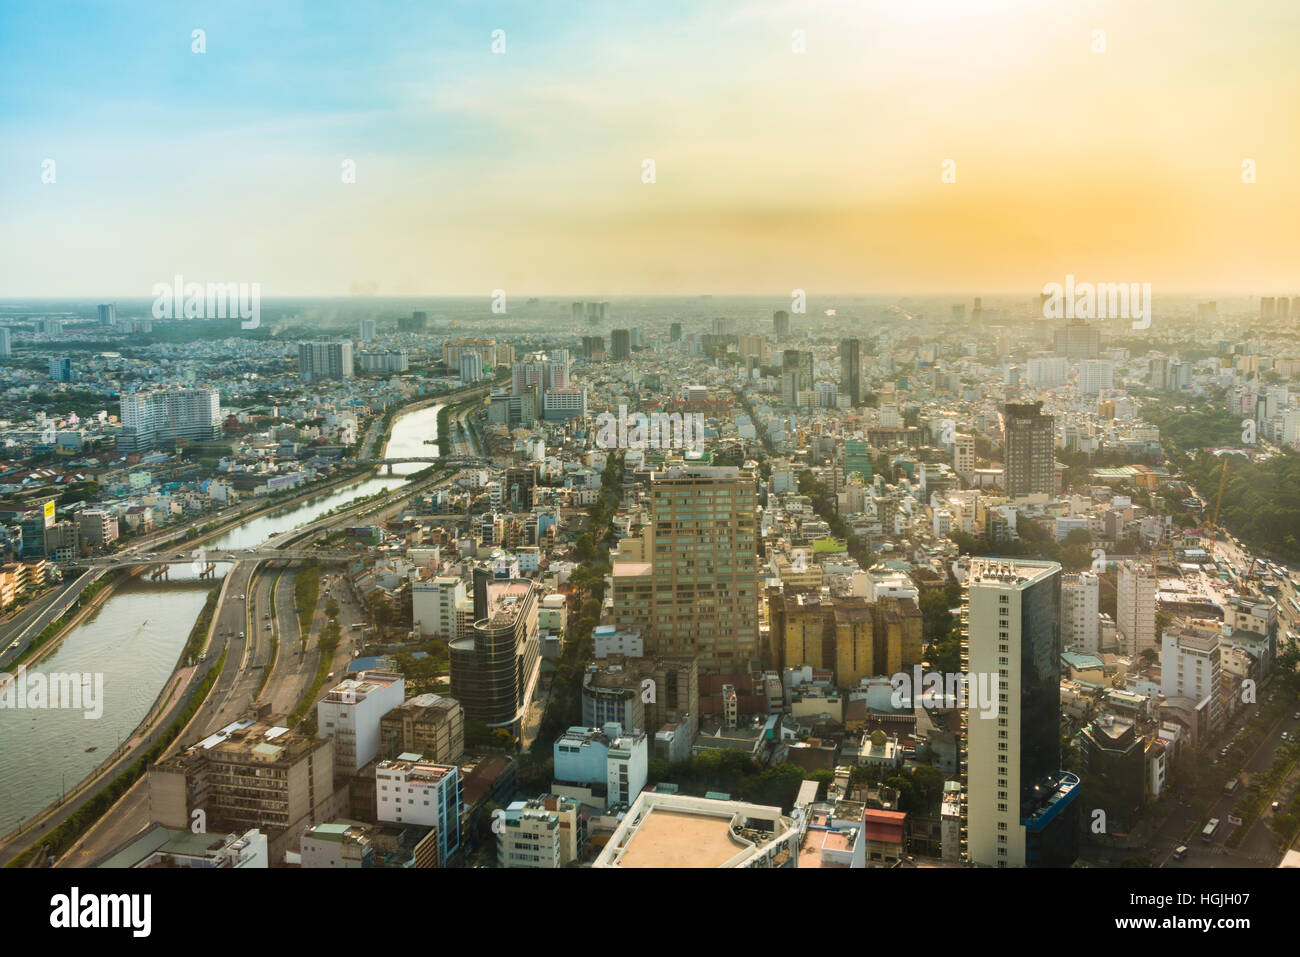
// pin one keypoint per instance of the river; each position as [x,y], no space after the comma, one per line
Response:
[134,640]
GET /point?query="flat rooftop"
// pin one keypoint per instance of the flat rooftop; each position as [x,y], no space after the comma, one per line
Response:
[677,839]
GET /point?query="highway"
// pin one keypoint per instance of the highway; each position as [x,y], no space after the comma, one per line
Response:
[17,633]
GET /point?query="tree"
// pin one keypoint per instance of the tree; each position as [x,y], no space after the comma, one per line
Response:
[331,608]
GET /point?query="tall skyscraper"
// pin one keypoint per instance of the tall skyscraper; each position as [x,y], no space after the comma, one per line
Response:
[6,343]
[1030,436]
[576,311]
[699,593]
[675,332]
[851,370]
[621,344]
[107,313]
[61,369]
[1019,809]
[367,330]
[781,323]
[1135,607]
[494,664]
[324,360]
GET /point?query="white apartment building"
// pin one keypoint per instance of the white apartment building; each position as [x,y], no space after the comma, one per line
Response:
[1190,667]
[1080,619]
[1096,375]
[1135,615]
[963,456]
[412,791]
[161,416]
[433,606]
[1047,373]
[351,712]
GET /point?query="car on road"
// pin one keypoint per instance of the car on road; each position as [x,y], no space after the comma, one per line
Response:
[241,634]
[203,656]
[1296,716]
[1285,736]
[1276,805]
[1180,852]
[242,597]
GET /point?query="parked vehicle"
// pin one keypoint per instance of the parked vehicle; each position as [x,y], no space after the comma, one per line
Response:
[1180,852]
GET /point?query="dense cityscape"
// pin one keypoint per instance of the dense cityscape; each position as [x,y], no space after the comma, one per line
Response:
[495,438]
[675,583]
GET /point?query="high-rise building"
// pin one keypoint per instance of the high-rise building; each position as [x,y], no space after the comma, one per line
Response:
[367,330]
[470,365]
[1019,808]
[1080,621]
[433,606]
[248,774]
[542,833]
[857,459]
[410,790]
[61,369]
[851,370]
[593,347]
[6,342]
[1267,307]
[675,332]
[324,360]
[781,324]
[107,313]
[1190,670]
[1077,340]
[699,594]
[1030,467]
[576,311]
[1096,375]
[620,344]
[415,322]
[963,456]
[494,663]
[163,416]
[350,713]
[1135,607]
[429,724]
[801,364]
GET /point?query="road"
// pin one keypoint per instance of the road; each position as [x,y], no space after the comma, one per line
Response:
[32,620]
[1257,849]
[228,698]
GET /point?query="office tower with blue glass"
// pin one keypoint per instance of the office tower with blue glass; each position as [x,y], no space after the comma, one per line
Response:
[1019,808]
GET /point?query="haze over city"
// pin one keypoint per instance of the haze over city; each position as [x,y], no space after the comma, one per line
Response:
[774,170]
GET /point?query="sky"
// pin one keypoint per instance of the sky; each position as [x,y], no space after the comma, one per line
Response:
[1114,156]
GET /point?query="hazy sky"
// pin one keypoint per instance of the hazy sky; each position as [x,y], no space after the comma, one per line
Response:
[775,170]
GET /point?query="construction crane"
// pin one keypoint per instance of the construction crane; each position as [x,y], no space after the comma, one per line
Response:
[1212,530]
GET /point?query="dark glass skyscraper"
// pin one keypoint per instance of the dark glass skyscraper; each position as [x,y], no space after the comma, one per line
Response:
[851,370]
